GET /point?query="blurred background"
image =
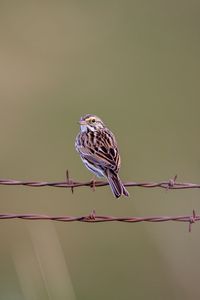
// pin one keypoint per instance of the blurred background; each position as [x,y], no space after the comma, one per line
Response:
[136,65]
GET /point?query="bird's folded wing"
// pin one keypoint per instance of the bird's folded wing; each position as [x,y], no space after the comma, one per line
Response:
[99,158]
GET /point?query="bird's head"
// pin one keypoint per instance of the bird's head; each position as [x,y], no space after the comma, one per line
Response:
[91,123]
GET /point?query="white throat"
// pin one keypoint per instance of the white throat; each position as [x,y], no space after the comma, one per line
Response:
[83,128]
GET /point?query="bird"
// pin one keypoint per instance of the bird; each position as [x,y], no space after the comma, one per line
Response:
[99,151]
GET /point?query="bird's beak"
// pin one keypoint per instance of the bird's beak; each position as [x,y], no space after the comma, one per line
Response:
[82,122]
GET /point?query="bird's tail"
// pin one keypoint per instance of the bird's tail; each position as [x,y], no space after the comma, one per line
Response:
[116,185]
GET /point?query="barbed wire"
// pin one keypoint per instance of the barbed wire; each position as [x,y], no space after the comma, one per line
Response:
[72,184]
[94,218]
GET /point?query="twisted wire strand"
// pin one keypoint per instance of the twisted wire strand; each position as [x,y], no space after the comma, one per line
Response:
[69,183]
[94,218]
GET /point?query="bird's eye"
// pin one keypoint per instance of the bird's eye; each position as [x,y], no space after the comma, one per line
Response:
[93,120]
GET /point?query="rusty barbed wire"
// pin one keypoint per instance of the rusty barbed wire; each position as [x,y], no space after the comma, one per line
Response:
[94,218]
[72,184]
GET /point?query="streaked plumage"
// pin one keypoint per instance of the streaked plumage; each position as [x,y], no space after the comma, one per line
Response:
[99,152]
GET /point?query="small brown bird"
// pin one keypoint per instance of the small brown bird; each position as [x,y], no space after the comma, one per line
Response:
[99,152]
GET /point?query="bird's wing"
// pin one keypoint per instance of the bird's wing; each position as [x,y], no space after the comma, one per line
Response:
[105,153]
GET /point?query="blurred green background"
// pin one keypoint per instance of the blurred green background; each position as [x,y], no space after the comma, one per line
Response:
[136,65]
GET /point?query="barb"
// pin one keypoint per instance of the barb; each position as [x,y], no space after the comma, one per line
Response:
[69,181]
[170,184]
[94,218]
